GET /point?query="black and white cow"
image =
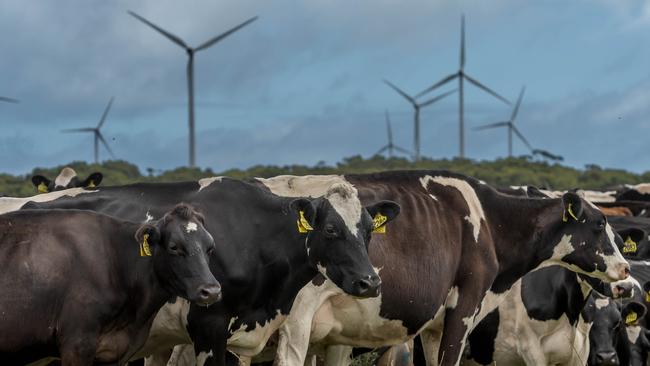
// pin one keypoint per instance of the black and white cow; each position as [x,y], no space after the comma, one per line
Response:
[67,178]
[86,287]
[267,249]
[455,249]
[545,320]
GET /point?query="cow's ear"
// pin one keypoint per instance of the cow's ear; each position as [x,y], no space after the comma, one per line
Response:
[93,180]
[631,239]
[147,236]
[306,212]
[41,183]
[646,291]
[382,213]
[572,206]
[534,192]
[633,312]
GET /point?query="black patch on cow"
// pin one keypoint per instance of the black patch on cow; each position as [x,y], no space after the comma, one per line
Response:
[481,339]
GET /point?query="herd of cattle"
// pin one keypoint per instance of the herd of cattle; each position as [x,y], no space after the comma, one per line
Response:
[284,270]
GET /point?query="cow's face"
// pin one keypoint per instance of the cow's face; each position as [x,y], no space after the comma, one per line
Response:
[633,343]
[605,317]
[66,179]
[181,250]
[338,232]
[586,243]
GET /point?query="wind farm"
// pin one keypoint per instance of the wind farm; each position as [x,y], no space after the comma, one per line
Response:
[97,133]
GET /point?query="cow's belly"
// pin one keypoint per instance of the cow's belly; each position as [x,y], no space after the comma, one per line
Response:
[250,342]
[169,328]
[346,320]
[556,342]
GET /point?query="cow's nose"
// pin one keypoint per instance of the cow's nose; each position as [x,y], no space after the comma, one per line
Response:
[606,359]
[368,286]
[209,294]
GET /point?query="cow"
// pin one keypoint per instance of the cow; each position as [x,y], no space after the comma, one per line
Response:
[638,192]
[457,247]
[545,319]
[634,231]
[616,211]
[268,248]
[67,178]
[85,287]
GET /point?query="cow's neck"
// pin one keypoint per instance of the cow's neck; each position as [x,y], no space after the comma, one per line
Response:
[521,230]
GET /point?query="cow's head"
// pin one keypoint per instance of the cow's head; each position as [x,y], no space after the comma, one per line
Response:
[181,249]
[605,317]
[66,179]
[585,242]
[633,343]
[338,232]
[632,242]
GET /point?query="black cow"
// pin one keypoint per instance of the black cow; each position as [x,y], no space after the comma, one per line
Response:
[636,229]
[604,316]
[86,287]
[66,179]
[457,247]
[268,248]
[544,320]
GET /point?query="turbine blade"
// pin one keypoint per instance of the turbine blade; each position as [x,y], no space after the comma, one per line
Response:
[400,91]
[521,137]
[223,35]
[516,109]
[486,89]
[435,99]
[9,100]
[462,41]
[86,129]
[103,119]
[390,131]
[382,150]
[101,138]
[402,150]
[170,36]
[442,82]
[492,125]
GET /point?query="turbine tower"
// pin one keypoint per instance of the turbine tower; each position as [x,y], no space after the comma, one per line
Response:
[416,107]
[190,68]
[391,146]
[96,132]
[462,76]
[510,125]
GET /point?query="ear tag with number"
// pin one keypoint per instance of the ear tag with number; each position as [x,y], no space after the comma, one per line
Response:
[42,187]
[378,223]
[145,251]
[303,224]
[631,318]
[629,246]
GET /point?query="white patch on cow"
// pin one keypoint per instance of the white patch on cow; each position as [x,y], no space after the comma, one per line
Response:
[204,182]
[64,178]
[476,213]
[643,188]
[601,303]
[633,332]
[202,357]
[9,204]
[190,227]
[344,198]
[490,301]
[563,248]
[301,186]
[169,328]
[321,269]
[614,261]
[596,196]
[148,217]
[452,298]
[246,341]
[434,197]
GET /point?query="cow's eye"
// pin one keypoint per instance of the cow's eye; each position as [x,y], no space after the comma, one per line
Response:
[330,230]
[173,247]
[600,225]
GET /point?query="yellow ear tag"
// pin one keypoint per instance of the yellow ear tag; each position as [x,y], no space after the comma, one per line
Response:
[42,187]
[647,296]
[91,184]
[378,224]
[570,211]
[303,224]
[631,318]
[629,246]
[145,251]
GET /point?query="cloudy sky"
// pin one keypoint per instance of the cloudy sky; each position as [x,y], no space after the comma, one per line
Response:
[303,83]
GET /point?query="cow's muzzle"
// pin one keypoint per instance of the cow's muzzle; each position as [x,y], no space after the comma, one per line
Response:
[368,286]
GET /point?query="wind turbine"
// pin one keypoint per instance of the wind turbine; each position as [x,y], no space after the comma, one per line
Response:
[391,146]
[462,76]
[510,125]
[96,131]
[8,100]
[416,106]
[190,67]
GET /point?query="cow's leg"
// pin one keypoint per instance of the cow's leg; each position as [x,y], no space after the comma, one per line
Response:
[338,355]
[459,321]
[209,333]
[430,340]
[158,359]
